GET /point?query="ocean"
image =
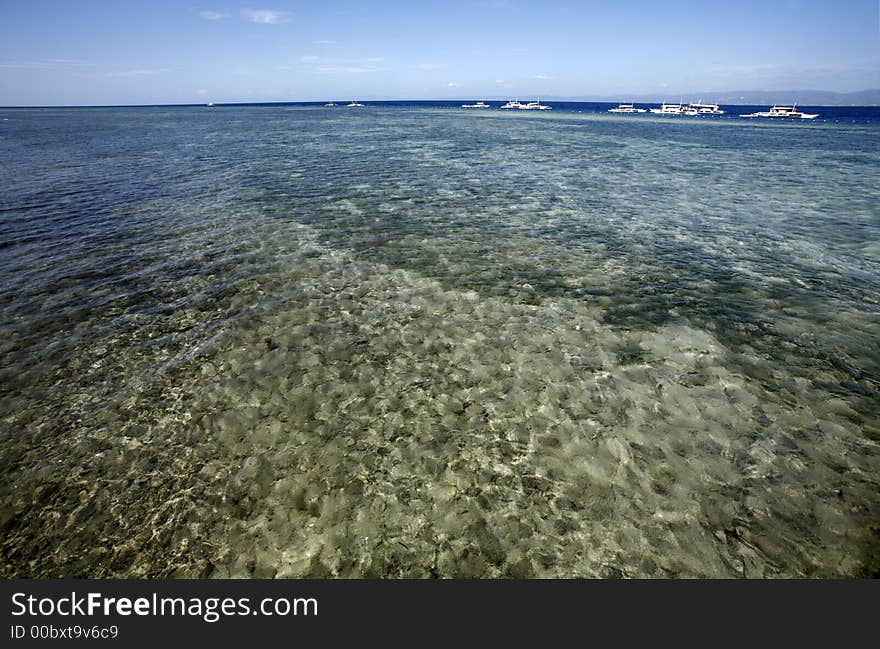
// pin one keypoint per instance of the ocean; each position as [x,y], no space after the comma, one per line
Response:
[414,340]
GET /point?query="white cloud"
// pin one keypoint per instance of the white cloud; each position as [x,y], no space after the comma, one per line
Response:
[429,66]
[69,62]
[309,58]
[213,15]
[454,84]
[266,16]
[324,42]
[542,76]
[135,73]
[329,69]
[748,68]
[519,50]
[373,59]
[500,81]
[45,64]
[123,73]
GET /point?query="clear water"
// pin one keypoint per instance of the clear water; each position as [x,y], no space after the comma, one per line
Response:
[416,341]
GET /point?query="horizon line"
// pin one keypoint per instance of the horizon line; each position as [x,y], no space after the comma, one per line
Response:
[452,100]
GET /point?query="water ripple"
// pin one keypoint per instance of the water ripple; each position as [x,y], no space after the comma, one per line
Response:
[274,342]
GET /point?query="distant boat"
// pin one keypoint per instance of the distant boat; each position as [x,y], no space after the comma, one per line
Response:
[354,104]
[210,104]
[627,108]
[479,104]
[535,105]
[674,109]
[705,109]
[532,105]
[329,104]
[784,112]
[668,109]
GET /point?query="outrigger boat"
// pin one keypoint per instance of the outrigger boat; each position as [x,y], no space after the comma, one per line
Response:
[535,105]
[532,105]
[705,109]
[784,112]
[627,108]
[674,109]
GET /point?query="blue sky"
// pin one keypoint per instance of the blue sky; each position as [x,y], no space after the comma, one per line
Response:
[173,51]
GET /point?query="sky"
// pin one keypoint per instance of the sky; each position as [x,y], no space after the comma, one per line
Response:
[97,52]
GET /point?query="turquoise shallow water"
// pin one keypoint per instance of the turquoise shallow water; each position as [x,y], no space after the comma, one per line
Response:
[290,341]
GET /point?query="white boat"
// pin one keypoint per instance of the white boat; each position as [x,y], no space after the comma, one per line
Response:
[535,105]
[673,109]
[513,104]
[329,104]
[705,109]
[479,104]
[210,104]
[354,104]
[785,112]
[627,108]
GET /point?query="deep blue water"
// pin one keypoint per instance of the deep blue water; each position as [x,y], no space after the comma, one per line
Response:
[412,339]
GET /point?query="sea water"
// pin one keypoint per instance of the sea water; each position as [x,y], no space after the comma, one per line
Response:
[419,341]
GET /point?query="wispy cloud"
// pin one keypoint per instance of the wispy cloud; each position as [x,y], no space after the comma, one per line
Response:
[213,15]
[429,66]
[142,72]
[454,84]
[69,62]
[543,77]
[324,42]
[519,50]
[45,64]
[309,58]
[746,68]
[500,81]
[331,69]
[124,73]
[373,59]
[266,16]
